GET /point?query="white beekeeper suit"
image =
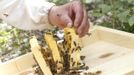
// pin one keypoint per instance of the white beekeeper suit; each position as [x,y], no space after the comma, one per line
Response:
[26,14]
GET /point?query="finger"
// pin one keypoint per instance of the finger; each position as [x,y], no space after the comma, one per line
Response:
[83,25]
[86,29]
[66,21]
[78,11]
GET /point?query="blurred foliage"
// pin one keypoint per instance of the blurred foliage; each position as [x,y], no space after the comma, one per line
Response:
[13,42]
[59,2]
[118,14]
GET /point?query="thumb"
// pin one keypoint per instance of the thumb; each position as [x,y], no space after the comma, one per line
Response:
[67,20]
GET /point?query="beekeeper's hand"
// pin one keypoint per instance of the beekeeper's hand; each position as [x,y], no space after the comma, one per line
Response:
[70,14]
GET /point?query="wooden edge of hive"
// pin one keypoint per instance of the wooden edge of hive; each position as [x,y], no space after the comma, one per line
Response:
[36,50]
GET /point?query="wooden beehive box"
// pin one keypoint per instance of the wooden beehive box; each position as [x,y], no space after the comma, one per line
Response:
[107,50]
[110,51]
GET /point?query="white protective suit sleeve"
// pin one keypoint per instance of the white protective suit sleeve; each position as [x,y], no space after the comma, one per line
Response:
[26,14]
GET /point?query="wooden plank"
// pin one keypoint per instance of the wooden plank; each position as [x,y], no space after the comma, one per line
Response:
[115,36]
[25,62]
[94,37]
[72,43]
[55,52]
[36,50]
[17,65]
[8,68]
[109,58]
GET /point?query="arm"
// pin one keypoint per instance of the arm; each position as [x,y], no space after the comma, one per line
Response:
[26,14]
[34,14]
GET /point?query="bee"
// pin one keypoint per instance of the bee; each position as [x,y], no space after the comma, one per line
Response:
[70,38]
[73,63]
[60,62]
[79,48]
[74,43]
[72,50]
[82,57]
[71,60]
[68,33]
[78,63]
[86,67]
[56,62]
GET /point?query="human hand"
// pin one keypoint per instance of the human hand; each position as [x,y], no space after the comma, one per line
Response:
[70,14]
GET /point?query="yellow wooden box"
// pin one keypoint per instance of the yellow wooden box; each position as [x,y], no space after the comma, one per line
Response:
[107,50]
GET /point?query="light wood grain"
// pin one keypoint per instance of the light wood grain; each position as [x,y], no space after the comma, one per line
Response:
[119,62]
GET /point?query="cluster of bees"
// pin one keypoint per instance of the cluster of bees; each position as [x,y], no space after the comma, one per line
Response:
[62,53]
